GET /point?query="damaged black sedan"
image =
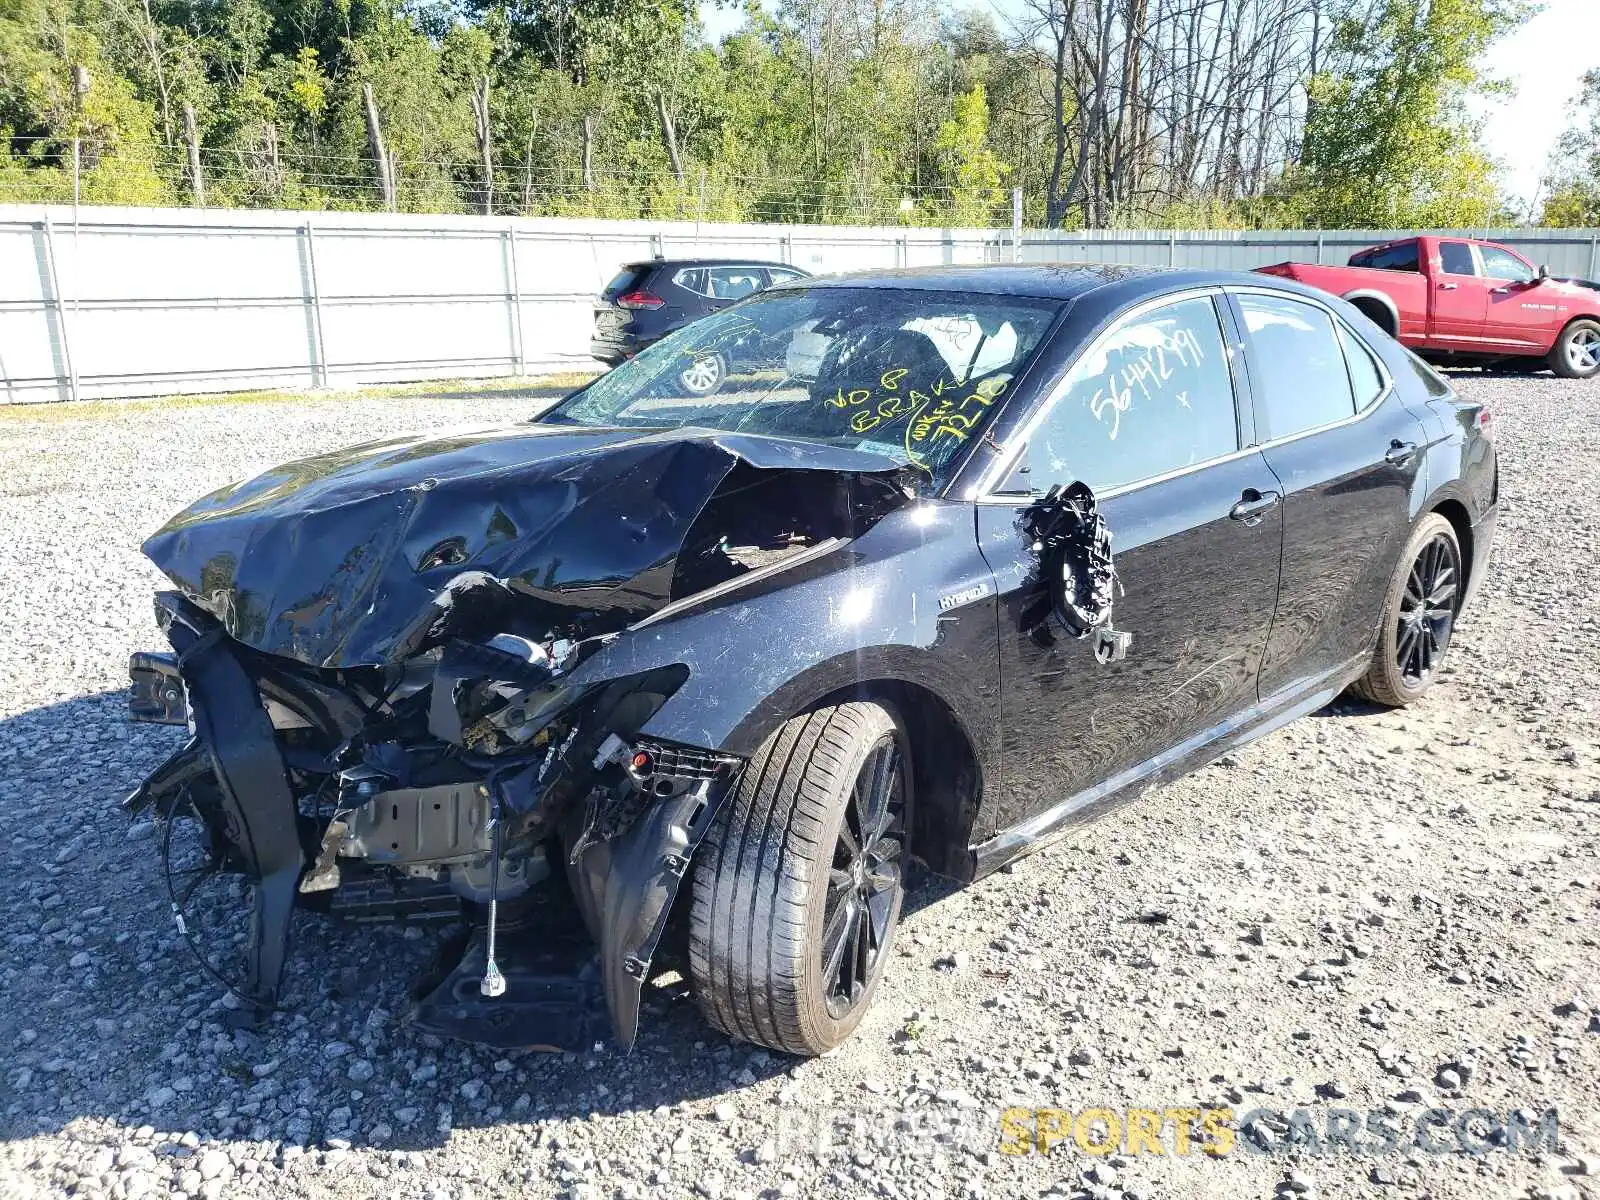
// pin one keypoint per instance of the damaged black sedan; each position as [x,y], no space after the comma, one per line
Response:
[954,559]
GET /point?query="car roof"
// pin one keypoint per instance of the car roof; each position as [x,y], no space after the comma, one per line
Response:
[1053,281]
[1104,287]
[707,262]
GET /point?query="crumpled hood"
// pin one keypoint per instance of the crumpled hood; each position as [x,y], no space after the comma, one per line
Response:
[330,559]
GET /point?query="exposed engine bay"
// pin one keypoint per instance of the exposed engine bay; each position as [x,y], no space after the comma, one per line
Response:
[380,656]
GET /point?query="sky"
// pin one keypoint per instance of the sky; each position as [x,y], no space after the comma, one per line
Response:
[1543,61]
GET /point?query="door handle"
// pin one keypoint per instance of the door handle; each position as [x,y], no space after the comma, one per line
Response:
[1501,291]
[1448,287]
[1399,453]
[1253,505]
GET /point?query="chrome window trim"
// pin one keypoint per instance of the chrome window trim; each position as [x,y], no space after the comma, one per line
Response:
[1018,498]
[993,477]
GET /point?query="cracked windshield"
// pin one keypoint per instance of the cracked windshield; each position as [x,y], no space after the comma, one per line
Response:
[909,375]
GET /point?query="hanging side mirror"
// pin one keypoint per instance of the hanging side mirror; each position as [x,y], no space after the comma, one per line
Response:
[1074,547]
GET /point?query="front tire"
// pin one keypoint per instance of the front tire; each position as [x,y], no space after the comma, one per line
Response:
[798,889]
[1576,354]
[1419,616]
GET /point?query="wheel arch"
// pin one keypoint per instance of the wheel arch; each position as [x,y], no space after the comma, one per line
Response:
[1456,512]
[1592,317]
[1377,308]
[947,753]
[946,774]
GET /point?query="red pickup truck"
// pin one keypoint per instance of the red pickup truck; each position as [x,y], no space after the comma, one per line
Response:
[1459,301]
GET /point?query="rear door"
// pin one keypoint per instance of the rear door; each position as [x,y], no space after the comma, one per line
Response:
[1459,308]
[1346,452]
[1147,417]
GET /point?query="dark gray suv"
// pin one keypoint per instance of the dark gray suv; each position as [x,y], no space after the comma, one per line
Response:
[645,301]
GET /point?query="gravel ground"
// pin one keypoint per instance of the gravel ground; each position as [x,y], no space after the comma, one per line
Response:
[1366,910]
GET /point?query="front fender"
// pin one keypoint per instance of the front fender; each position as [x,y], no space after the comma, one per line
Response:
[870,610]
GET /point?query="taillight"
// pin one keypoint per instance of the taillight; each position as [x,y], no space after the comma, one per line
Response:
[1485,422]
[640,300]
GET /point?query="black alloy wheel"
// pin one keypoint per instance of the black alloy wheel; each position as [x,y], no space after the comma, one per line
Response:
[798,888]
[1425,592]
[1428,610]
[864,883]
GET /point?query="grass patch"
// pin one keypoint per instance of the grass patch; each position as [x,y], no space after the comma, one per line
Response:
[547,387]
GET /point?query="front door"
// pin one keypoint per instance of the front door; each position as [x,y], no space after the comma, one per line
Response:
[1147,417]
[1346,452]
[1524,313]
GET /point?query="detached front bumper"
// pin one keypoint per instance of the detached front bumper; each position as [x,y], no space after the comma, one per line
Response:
[420,826]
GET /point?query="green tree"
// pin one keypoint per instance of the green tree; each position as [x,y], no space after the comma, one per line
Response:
[59,91]
[1388,143]
[1573,185]
[969,165]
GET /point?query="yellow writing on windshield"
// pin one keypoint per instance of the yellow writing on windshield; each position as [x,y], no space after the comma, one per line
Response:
[938,415]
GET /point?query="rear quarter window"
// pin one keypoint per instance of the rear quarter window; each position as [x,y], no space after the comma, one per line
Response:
[1366,379]
[1304,381]
[1435,384]
[1402,257]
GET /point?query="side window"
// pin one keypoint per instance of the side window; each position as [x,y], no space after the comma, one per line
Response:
[1455,258]
[1304,382]
[1363,259]
[1503,265]
[1366,380]
[1150,397]
[780,275]
[1402,257]
[692,279]
[734,283]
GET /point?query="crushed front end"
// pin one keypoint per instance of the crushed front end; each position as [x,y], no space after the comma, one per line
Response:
[379,657]
[477,794]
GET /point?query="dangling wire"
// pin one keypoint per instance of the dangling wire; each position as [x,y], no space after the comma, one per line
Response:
[180,908]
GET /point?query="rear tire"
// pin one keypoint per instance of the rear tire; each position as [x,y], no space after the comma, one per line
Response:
[803,864]
[1576,354]
[1419,615]
[704,376]
[1378,313]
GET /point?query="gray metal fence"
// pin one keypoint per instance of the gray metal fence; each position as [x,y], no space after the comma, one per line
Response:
[1573,252]
[108,302]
